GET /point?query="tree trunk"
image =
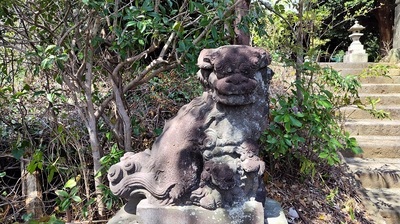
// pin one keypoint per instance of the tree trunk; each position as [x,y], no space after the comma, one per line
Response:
[385,16]
[300,50]
[241,10]
[32,191]
[93,132]
[122,111]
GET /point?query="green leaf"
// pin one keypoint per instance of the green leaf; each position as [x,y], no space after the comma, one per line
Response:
[47,63]
[74,190]
[70,183]
[142,27]
[357,150]
[177,27]
[59,79]
[141,42]
[65,204]
[158,131]
[309,66]
[76,198]
[131,23]
[40,92]
[50,48]
[19,94]
[299,114]
[295,122]
[98,174]
[201,7]
[214,32]
[324,155]
[336,142]
[52,169]
[50,97]
[62,193]
[286,118]
[27,87]
[326,104]
[17,153]
[288,142]
[272,140]
[328,93]
[31,167]
[220,13]
[2,174]
[278,118]
[54,220]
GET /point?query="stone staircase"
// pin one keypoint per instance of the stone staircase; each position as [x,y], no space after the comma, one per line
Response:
[378,167]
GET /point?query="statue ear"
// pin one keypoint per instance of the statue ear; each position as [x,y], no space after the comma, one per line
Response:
[203,75]
[206,59]
[264,59]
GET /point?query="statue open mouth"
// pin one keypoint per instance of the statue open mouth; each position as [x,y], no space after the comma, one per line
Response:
[234,99]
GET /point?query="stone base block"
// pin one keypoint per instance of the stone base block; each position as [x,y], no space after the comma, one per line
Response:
[252,212]
[355,58]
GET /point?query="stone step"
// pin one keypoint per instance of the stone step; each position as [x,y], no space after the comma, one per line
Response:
[353,112]
[380,88]
[395,79]
[387,201]
[376,172]
[358,68]
[362,72]
[385,99]
[377,147]
[340,66]
[373,127]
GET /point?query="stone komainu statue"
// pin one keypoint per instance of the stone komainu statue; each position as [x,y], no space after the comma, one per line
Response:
[208,154]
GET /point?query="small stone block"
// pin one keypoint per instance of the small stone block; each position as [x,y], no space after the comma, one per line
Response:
[273,212]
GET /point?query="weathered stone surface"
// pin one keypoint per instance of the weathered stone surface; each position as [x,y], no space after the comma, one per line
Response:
[207,155]
[127,214]
[253,212]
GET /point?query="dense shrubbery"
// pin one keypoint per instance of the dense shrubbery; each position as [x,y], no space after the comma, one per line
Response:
[305,133]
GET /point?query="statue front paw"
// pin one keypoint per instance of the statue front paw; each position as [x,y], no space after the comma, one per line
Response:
[253,164]
[207,198]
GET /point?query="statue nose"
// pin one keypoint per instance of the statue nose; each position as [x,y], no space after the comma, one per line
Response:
[236,79]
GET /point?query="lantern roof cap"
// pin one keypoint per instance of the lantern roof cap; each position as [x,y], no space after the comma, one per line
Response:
[356,27]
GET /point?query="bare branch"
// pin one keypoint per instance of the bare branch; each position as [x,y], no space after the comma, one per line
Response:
[61,40]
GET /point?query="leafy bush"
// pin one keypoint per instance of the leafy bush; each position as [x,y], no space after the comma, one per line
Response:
[304,132]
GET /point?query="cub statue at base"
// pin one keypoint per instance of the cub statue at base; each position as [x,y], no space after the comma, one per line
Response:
[208,154]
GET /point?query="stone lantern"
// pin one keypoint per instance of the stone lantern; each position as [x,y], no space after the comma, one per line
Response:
[356,52]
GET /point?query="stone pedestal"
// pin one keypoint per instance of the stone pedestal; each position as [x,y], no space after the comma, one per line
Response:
[252,212]
[355,58]
[356,52]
